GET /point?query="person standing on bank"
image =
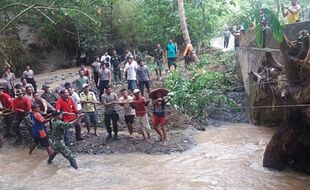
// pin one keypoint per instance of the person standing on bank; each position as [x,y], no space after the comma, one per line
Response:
[10,77]
[28,74]
[128,110]
[110,101]
[65,104]
[226,38]
[88,100]
[105,78]
[130,72]
[96,68]
[291,13]
[159,118]
[21,107]
[143,77]
[158,58]
[139,103]
[171,49]
[79,82]
[7,111]
[116,66]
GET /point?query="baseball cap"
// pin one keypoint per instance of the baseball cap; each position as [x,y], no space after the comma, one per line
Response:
[136,91]
[85,85]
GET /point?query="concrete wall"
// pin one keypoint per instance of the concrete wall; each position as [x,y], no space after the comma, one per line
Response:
[247,39]
[250,59]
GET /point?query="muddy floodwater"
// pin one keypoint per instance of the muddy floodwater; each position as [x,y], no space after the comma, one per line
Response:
[226,157]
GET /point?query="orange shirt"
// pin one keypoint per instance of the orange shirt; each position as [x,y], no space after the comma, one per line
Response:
[188,50]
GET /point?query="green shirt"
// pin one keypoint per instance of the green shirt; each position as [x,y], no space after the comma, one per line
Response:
[171,50]
[159,53]
[59,129]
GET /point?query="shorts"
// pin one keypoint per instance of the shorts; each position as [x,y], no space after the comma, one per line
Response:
[42,141]
[157,120]
[159,64]
[143,124]
[91,118]
[172,61]
[129,119]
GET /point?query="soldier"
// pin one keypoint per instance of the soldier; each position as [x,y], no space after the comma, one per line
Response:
[21,107]
[48,95]
[159,58]
[57,136]
[6,111]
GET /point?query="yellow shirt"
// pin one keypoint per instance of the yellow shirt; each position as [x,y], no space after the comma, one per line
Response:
[88,107]
[293,17]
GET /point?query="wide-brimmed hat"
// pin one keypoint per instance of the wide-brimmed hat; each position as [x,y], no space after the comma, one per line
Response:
[44,86]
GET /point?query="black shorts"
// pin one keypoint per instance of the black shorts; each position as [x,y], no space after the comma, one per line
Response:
[129,119]
[42,141]
[172,61]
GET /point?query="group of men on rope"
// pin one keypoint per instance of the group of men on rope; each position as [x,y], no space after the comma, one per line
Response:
[63,107]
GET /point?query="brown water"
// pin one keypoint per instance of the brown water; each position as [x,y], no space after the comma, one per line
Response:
[229,157]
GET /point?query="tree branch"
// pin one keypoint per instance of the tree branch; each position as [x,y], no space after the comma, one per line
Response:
[16,17]
[52,21]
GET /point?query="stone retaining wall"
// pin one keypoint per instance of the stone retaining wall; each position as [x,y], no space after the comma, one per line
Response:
[250,59]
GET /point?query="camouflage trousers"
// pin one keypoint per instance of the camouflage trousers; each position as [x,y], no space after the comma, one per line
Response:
[60,147]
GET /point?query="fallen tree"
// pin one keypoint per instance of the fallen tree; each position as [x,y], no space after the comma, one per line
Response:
[290,82]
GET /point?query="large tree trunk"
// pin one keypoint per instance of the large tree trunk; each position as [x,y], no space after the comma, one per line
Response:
[183,24]
[291,142]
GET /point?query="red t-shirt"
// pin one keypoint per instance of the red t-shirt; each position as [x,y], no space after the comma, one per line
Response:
[139,106]
[66,106]
[86,72]
[6,101]
[21,105]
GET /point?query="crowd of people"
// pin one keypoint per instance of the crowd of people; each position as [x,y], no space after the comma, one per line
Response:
[48,115]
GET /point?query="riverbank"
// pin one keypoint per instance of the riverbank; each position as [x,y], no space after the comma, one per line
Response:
[181,127]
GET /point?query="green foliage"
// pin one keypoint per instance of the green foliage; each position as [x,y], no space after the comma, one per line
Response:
[200,91]
[215,58]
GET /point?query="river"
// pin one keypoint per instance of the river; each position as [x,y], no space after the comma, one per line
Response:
[226,157]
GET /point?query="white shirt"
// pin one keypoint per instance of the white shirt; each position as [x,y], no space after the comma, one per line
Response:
[131,70]
[105,58]
[77,101]
[28,74]
[127,107]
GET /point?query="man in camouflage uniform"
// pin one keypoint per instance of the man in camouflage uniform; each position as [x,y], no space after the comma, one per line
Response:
[57,137]
[158,58]
[48,95]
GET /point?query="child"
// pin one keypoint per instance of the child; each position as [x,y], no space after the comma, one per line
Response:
[159,118]
[58,143]
[139,103]
[38,130]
